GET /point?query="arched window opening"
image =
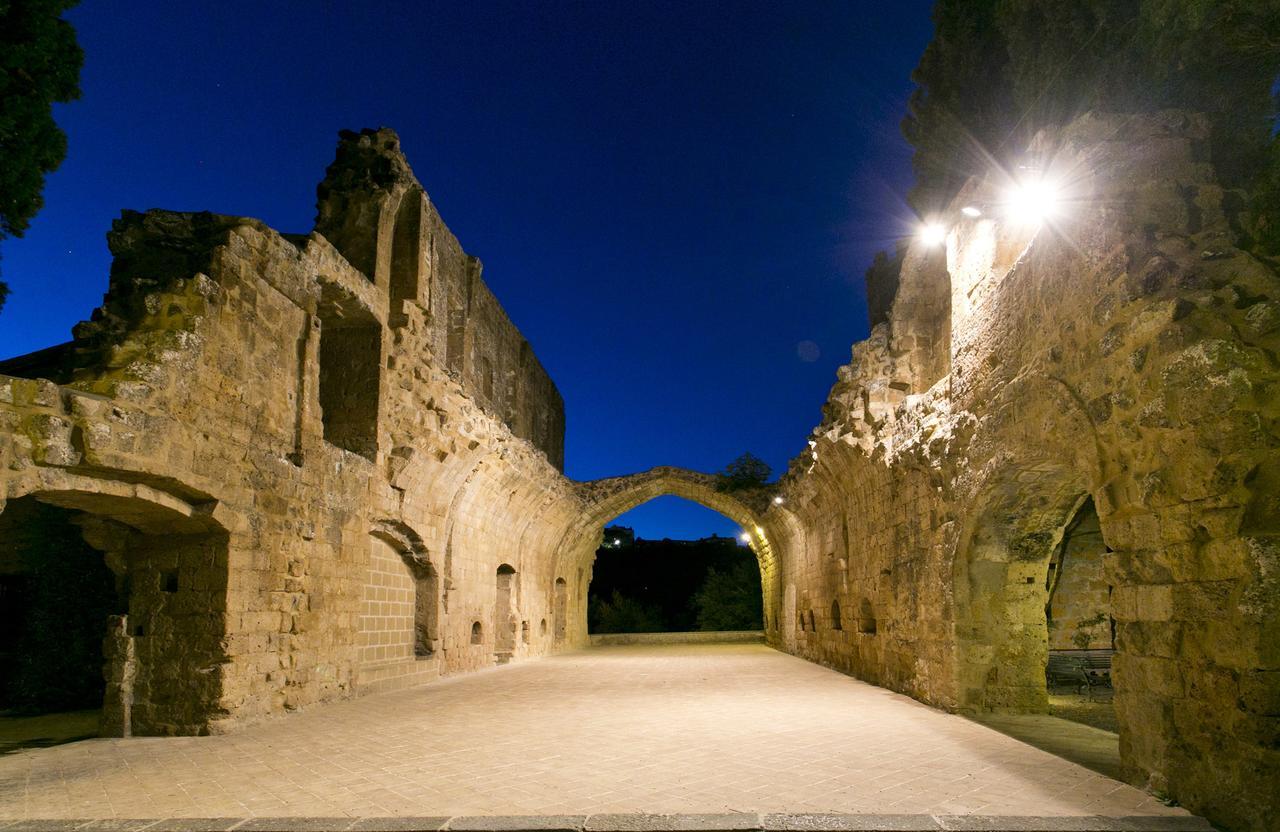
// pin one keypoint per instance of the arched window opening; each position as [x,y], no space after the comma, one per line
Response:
[477,634]
[835,616]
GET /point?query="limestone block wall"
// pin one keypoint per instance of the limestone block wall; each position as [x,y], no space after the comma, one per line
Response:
[251,433]
[1123,354]
[374,211]
[329,465]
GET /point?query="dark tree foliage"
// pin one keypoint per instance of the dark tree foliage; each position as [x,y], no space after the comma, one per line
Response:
[958,116]
[882,283]
[746,472]
[661,585]
[999,70]
[39,64]
[730,599]
[621,614]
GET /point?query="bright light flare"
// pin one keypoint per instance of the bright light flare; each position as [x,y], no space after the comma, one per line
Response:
[777,501]
[1033,201]
[933,234]
[971,211]
[746,538]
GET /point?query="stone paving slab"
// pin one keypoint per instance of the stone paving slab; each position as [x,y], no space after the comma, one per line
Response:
[638,731]
[639,822]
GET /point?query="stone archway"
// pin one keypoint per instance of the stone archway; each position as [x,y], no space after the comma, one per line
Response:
[1000,587]
[763,521]
[163,651]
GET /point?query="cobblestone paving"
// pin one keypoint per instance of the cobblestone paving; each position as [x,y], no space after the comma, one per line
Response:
[686,728]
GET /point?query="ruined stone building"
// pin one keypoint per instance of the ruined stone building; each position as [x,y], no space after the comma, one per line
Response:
[318,466]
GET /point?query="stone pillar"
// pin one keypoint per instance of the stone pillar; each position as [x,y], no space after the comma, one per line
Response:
[121,667]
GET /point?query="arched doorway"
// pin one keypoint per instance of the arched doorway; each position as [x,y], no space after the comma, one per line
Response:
[764,520]
[119,604]
[1031,529]
[684,568]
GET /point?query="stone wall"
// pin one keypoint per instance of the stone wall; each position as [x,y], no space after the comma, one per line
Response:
[329,465]
[1078,609]
[1123,353]
[376,214]
[249,425]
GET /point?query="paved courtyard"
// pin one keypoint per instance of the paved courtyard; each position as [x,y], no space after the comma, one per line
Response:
[659,729]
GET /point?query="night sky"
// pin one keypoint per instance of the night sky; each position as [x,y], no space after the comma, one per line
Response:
[675,202]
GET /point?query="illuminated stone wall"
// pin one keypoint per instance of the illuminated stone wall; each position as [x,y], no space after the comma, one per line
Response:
[269,422]
[1123,353]
[253,427]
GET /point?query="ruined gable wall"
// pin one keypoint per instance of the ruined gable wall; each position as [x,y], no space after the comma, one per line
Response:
[197,397]
[1127,356]
[369,203]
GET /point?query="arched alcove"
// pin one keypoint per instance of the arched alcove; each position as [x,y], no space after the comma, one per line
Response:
[118,594]
[505,617]
[400,607]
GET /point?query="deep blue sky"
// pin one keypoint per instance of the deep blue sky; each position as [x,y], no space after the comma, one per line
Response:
[675,202]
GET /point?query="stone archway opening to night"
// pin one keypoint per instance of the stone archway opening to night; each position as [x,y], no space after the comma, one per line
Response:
[680,583]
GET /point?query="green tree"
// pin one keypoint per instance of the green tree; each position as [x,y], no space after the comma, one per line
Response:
[731,599]
[621,614]
[996,71]
[958,116]
[746,472]
[39,64]
[881,281]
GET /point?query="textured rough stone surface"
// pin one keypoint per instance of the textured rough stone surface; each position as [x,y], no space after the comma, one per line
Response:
[1125,353]
[297,467]
[254,427]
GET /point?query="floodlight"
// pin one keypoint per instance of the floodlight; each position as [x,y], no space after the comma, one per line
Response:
[971,211]
[1033,201]
[932,234]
